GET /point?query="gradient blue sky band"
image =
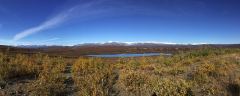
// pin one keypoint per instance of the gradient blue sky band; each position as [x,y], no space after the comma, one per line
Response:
[69,22]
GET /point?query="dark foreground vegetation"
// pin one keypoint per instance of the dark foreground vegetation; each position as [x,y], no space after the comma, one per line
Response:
[199,72]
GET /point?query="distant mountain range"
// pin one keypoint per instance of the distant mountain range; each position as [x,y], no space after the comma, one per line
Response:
[108,48]
[149,44]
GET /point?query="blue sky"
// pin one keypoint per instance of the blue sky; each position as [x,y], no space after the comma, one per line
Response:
[69,22]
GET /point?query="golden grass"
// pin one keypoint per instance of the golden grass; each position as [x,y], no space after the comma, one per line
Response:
[93,77]
[203,72]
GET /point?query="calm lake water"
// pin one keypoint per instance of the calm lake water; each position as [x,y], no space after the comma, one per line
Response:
[129,55]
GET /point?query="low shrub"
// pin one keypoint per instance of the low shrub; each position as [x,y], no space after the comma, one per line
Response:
[134,83]
[171,87]
[18,66]
[93,77]
[50,81]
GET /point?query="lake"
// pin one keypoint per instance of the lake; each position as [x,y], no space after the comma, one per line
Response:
[129,55]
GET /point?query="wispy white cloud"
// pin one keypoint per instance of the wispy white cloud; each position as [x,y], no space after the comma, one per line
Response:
[46,25]
[85,11]
[76,11]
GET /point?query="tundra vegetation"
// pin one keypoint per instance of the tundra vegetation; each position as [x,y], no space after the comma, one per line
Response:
[201,72]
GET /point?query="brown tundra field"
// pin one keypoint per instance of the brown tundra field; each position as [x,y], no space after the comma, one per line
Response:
[189,71]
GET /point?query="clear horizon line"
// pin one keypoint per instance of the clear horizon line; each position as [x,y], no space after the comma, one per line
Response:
[127,43]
